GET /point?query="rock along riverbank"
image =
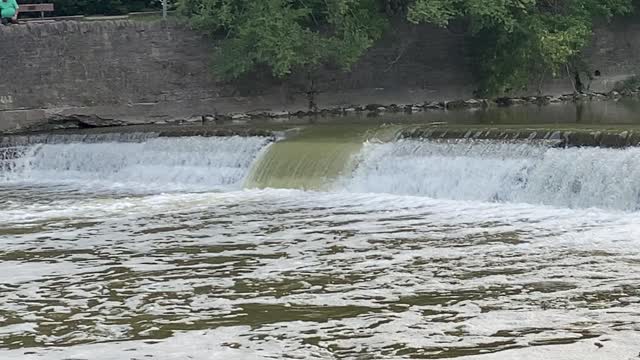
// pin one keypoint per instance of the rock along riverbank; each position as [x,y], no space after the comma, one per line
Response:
[83,121]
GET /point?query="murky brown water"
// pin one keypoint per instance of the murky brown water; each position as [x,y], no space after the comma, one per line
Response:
[164,250]
[310,274]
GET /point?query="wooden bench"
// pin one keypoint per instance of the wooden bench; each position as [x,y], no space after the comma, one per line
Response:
[41,8]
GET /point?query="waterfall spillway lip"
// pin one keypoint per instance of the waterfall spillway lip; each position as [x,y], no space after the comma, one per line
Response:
[588,136]
[393,161]
[86,138]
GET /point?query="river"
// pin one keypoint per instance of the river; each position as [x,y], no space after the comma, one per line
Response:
[339,242]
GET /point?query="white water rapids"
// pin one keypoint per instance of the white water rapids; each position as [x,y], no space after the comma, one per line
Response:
[165,164]
[482,171]
[156,249]
[502,172]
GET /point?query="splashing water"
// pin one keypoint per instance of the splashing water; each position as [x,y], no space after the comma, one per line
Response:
[191,164]
[414,250]
[457,170]
[504,172]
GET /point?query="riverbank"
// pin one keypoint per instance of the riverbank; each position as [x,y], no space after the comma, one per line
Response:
[149,72]
[611,124]
[215,123]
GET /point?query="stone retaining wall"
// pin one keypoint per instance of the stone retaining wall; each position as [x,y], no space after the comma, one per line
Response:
[145,71]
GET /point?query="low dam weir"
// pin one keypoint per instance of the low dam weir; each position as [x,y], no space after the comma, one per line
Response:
[321,241]
[554,168]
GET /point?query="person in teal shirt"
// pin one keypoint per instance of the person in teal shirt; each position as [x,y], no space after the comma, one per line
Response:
[8,11]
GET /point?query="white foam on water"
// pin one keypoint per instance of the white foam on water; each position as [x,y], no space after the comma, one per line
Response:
[200,345]
[231,343]
[377,271]
[84,207]
[504,172]
[159,164]
[622,346]
[457,170]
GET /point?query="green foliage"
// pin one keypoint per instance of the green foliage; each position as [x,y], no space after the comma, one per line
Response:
[513,42]
[286,34]
[516,41]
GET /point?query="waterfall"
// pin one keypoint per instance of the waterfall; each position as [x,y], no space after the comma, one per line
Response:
[504,172]
[336,160]
[190,163]
[312,160]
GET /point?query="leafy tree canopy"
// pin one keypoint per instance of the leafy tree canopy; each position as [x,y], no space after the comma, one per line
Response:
[515,41]
[512,41]
[287,34]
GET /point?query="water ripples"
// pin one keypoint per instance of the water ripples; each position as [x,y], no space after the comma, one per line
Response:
[271,273]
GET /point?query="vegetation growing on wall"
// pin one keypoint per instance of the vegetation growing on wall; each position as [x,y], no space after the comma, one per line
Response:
[513,42]
[285,35]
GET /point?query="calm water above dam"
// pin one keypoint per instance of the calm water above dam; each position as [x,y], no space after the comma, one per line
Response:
[342,242]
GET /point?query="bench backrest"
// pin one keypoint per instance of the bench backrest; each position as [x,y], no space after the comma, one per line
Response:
[36,7]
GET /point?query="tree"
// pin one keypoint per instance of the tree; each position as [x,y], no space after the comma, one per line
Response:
[512,42]
[284,35]
[515,41]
